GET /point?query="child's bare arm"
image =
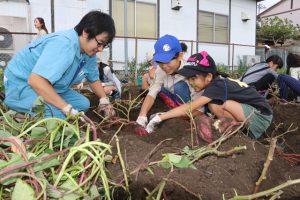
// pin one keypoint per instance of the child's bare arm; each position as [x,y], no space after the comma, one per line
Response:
[185,109]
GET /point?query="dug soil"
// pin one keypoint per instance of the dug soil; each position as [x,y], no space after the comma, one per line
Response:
[214,177]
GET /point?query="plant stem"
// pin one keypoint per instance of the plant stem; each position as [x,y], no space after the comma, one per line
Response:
[267,192]
[266,165]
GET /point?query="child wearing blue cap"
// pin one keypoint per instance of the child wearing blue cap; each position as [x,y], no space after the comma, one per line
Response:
[226,98]
[168,84]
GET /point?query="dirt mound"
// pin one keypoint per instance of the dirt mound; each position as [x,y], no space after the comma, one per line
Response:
[214,177]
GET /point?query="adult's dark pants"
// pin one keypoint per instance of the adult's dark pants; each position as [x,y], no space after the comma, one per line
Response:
[287,82]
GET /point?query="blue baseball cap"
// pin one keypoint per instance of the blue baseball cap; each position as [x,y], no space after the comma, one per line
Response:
[166,47]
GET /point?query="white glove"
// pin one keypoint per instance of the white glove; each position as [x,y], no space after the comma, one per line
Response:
[153,123]
[143,121]
[79,86]
[105,107]
[69,111]
[153,115]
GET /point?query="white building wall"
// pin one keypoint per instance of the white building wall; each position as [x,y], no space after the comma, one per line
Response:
[13,17]
[13,8]
[181,23]
[136,48]
[218,52]
[66,13]
[242,32]
[216,6]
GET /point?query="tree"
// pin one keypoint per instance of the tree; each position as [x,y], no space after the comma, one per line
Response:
[278,30]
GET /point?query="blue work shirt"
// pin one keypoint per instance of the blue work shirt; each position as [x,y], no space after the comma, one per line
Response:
[57,58]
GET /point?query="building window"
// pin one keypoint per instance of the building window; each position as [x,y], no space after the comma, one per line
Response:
[212,27]
[141,18]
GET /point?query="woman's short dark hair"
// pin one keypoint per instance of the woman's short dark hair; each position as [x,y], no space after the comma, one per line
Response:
[95,23]
[276,60]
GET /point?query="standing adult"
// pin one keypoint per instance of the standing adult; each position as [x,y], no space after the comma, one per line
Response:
[39,24]
[49,66]
[170,86]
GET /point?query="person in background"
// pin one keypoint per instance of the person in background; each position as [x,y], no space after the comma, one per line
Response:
[111,84]
[170,86]
[226,98]
[39,24]
[291,82]
[266,50]
[50,66]
[184,50]
[148,77]
[262,75]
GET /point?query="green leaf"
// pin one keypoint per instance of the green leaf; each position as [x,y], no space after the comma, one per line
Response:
[4,134]
[69,185]
[184,163]
[38,105]
[45,164]
[68,131]
[173,158]
[178,160]
[39,101]
[15,160]
[165,164]
[38,133]
[150,171]
[22,191]
[186,150]
[94,192]
[51,124]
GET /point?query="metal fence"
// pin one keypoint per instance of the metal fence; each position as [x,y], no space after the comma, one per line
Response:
[230,56]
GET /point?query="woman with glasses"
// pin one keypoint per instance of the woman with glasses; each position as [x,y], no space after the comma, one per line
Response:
[49,66]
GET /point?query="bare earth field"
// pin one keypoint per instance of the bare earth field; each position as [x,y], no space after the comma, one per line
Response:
[214,177]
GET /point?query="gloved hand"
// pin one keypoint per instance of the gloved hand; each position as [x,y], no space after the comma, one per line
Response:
[79,86]
[153,123]
[69,111]
[105,107]
[142,121]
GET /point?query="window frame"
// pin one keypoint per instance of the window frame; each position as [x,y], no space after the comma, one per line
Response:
[134,31]
[213,26]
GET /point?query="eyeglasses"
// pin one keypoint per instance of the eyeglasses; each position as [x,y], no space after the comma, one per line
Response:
[101,44]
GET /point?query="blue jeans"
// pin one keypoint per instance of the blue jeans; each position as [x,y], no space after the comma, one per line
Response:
[181,93]
[285,82]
